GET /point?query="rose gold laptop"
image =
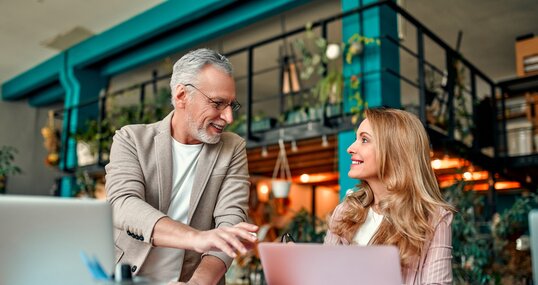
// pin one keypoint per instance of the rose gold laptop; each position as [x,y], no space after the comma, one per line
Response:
[533,228]
[317,264]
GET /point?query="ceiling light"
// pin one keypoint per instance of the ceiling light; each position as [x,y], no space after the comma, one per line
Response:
[305,178]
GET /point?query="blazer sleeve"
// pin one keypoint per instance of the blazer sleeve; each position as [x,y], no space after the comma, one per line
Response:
[437,268]
[232,201]
[125,187]
[331,238]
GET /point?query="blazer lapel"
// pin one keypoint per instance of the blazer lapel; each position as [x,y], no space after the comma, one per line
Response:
[163,151]
[206,162]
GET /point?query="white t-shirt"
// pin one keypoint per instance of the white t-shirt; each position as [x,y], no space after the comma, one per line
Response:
[164,264]
[367,230]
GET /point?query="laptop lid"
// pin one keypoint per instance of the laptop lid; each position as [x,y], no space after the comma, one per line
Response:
[533,228]
[43,238]
[317,264]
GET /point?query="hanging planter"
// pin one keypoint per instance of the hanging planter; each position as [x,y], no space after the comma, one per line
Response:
[281,184]
[51,140]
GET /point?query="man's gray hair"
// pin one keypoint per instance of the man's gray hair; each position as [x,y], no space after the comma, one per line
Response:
[186,69]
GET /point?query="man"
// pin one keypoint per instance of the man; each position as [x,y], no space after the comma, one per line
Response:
[179,187]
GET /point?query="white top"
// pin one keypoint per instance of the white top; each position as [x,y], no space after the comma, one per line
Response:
[367,230]
[164,264]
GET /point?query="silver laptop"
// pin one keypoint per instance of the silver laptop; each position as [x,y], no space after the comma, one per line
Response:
[317,264]
[43,239]
[533,227]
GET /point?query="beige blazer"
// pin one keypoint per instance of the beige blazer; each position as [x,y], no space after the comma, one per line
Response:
[139,185]
[434,266]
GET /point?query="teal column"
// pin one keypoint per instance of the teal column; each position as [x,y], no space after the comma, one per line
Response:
[378,87]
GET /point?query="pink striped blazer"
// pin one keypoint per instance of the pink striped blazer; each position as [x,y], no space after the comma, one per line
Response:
[434,266]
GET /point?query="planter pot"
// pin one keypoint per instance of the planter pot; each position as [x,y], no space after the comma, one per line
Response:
[296,117]
[333,110]
[315,113]
[263,124]
[280,188]
[430,96]
[258,126]
[84,154]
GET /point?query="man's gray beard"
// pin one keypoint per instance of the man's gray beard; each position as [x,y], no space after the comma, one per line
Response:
[201,133]
[206,138]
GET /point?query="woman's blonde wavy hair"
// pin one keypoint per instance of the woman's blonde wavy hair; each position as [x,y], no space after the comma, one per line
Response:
[414,198]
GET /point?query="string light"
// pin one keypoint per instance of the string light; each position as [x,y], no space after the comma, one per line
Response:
[305,178]
[263,191]
[436,163]
[294,146]
[324,141]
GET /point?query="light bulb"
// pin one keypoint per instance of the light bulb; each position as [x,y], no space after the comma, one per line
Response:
[294,146]
[305,178]
[324,141]
[436,164]
[333,51]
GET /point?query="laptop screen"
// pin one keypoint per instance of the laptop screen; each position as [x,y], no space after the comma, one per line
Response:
[533,227]
[43,239]
[317,264]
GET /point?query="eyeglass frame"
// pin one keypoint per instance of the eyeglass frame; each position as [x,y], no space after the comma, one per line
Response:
[287,237]
[217,105]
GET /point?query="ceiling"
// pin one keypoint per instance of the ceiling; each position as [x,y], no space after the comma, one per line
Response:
[489,27]
[26,26]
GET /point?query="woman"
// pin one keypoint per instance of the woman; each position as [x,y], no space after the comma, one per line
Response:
[398,201]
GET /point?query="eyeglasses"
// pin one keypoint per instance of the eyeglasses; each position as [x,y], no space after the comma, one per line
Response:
[219,105]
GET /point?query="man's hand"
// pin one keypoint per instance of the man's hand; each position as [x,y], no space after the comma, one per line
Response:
[170,233]
[226,239]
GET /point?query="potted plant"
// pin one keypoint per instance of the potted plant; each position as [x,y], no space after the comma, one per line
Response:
[510,228]
[281,184]
[303,229]
[88,143]
[486,252]
[7,167]
[472,250]
[321,58]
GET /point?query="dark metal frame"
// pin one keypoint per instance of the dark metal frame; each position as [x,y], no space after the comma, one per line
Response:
[328,126]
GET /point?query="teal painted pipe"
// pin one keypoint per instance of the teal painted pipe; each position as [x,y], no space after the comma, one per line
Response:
[66,84]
